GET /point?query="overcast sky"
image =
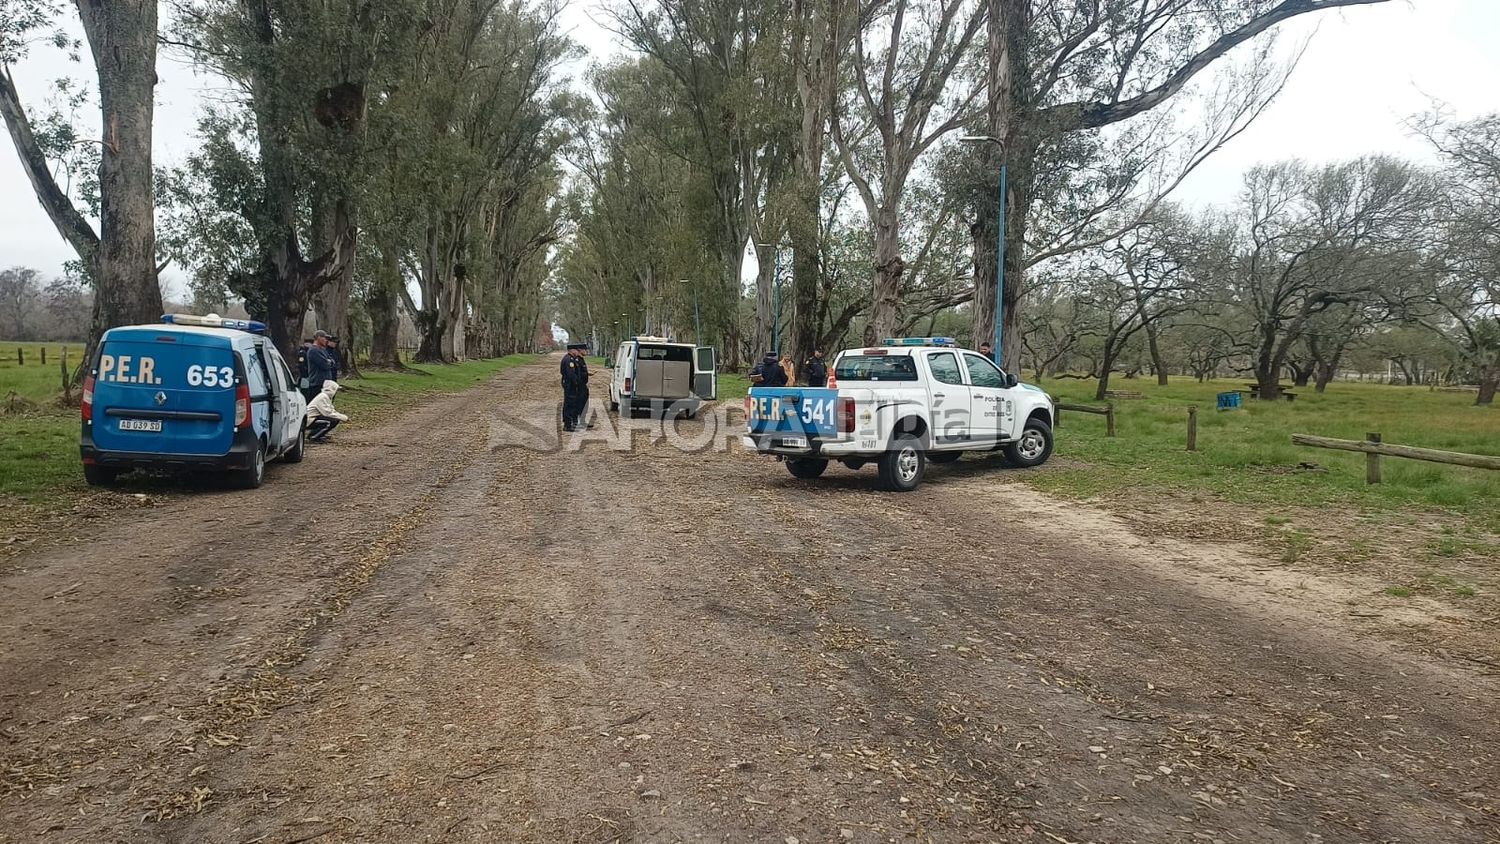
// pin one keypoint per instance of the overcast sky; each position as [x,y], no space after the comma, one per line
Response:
[1366,71]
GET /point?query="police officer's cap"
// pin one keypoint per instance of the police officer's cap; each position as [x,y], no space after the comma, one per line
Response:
[579,346]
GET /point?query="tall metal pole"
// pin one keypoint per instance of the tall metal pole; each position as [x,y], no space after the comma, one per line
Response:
[776,326]
[697,320]
[1000,274]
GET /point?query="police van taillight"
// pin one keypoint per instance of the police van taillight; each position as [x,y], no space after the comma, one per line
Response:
[242,405]
[88,398]
[846,416]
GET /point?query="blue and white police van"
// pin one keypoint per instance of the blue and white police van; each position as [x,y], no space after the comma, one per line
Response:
[194,393]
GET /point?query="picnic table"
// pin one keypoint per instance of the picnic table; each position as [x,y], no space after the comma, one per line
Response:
[1253,391]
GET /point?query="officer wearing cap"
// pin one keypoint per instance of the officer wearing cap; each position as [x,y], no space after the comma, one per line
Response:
[815,370]
[575,384]
[320,365]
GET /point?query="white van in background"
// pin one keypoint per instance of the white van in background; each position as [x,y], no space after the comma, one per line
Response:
[654,373]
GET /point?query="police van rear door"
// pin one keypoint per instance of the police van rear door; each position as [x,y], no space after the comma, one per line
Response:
[164,391]
[705,373]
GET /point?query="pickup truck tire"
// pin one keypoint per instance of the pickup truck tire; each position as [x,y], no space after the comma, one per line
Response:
[944,456]
[902,466]
[1034,446]
[806,468]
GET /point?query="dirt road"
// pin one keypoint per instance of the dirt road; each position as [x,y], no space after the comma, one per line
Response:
[423,634]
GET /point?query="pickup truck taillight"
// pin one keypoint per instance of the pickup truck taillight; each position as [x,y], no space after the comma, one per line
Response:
[242,405]
[628,383]
[846,416]
[88,398]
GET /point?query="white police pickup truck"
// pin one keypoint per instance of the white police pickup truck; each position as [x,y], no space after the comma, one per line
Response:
[901,405]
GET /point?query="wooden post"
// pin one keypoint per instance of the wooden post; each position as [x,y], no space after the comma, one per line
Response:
[44,356]
[1193,428]
[20,356]
[1372,461]
[1109,419]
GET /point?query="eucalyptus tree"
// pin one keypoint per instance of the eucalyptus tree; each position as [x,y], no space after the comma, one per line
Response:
[727,66]
[119,257]
[1061,69]
[912,84]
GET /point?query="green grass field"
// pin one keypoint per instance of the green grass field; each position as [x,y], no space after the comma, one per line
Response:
[34,381]
[39,447]
[1247,455]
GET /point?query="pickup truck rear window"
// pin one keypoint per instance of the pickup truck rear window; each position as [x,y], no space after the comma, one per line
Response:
[872,368]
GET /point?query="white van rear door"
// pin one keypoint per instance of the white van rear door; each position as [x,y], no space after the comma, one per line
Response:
[706,374]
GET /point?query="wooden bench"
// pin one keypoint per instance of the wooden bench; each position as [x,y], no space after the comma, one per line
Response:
[1254,393]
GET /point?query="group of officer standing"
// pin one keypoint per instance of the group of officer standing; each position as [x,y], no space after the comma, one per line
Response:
[575,384]
[774,372]
[770,372]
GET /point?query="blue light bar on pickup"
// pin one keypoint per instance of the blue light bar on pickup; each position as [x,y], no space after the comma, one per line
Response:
[215,321]
[920,341]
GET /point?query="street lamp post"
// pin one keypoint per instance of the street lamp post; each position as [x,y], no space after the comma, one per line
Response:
[697,320]
[775,294]
[1000,248]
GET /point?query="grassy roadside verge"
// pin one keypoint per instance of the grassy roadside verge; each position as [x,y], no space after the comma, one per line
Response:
[1246,456]
[39,449]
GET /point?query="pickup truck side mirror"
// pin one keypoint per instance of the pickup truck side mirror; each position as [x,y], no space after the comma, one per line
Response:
[1011,380]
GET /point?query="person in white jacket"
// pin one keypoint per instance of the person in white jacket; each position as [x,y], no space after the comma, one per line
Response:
[322,416]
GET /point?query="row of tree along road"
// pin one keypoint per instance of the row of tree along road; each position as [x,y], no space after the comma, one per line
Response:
[437,159]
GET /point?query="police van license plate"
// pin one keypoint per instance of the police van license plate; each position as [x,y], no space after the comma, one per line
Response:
[151,425]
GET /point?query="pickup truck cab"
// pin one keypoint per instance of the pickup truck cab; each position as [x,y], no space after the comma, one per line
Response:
[194,393]
[901,405]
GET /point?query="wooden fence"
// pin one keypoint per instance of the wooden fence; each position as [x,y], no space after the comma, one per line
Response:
[1107,411]
[1374,449]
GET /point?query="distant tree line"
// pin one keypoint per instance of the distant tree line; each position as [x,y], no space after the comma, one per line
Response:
[367,158]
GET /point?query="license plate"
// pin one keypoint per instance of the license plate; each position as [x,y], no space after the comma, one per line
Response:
[794,442]
[151,425]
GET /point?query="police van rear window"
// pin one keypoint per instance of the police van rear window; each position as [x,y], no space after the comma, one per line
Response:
[673,353]
[876,368]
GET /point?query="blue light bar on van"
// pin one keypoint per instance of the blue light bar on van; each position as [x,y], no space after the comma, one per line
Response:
[215,321]
[920,341]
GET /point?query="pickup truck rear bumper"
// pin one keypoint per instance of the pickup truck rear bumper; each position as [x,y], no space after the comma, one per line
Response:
[777,444]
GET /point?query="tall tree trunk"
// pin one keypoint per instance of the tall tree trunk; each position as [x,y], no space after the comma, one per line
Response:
[331,304]
[1302,372]
[122,37]
[889,268]
[1153,342]
[1489,383]
[1327,370]
[818,49]
[1105,369]
[385,319]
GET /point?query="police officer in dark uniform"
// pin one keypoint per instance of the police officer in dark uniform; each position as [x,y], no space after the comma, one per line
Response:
[575,384]
[815,370]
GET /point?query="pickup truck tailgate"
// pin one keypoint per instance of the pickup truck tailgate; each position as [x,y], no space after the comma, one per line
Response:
[792,416]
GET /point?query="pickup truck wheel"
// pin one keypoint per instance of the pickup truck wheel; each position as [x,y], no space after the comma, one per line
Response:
[944,456]
[1034,446]
[806,468]
[902,466]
